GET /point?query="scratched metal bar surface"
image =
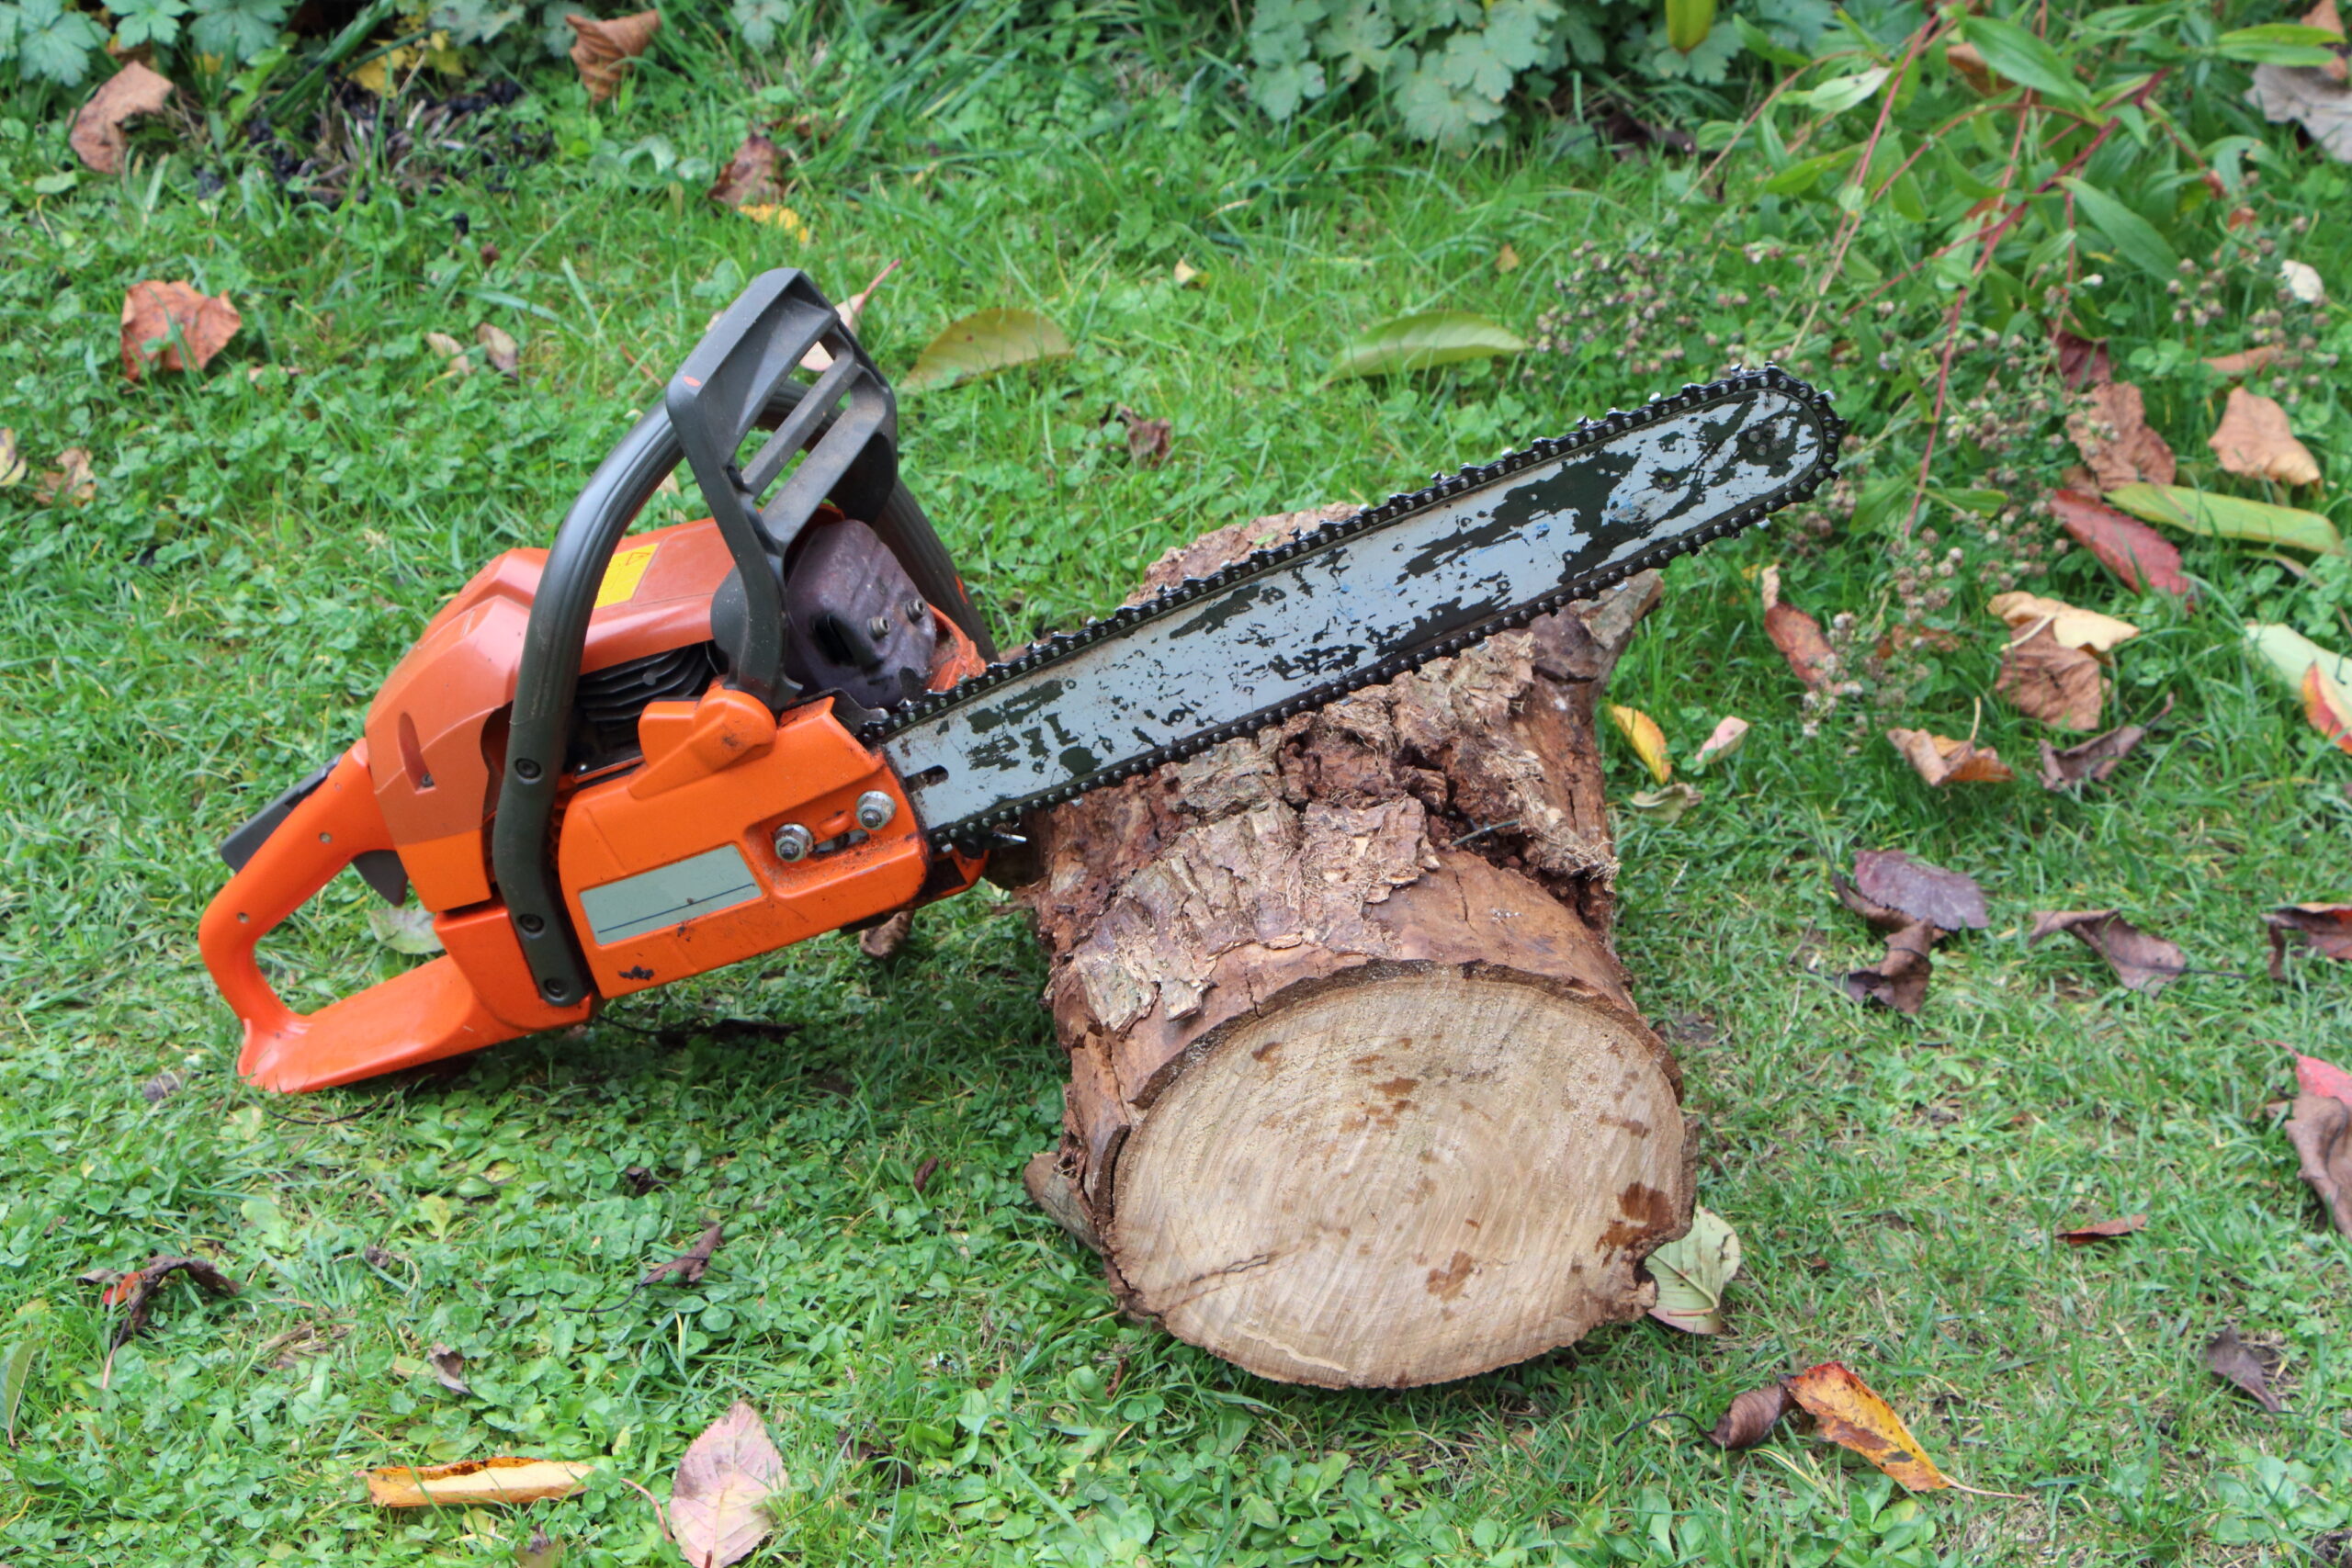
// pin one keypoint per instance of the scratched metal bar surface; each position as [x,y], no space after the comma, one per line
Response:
[1359,601]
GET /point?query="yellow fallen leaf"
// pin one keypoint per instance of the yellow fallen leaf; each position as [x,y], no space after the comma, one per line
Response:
[1186,275]
[503,1480]
[1853,1417]
[780,216]
[1641,732]
[1940,759]
[2087,630]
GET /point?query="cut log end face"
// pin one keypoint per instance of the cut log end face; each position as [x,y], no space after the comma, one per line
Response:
[1419,1173]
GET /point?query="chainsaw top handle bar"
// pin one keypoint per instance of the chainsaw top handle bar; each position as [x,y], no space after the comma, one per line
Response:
[738,377]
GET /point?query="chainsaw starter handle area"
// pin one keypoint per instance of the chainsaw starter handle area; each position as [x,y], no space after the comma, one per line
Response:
[739,375]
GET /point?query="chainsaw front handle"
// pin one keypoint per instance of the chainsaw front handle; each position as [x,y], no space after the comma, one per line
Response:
[476,993]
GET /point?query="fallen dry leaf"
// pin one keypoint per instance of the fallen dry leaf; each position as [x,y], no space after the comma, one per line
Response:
[1797,634]
[2081,362]
[500,349]
[1507,260]
[1752,1418]
[541,1550]
[1916,890]
[2096,760]
[2142,962]
[1648,742]
[924,1172]
[450,352]
[2327,927]
[1722,741]
[1899,980]
[690,1265]
[1855,1417]
[2313,1075]
[448,1370]
[2314,98]
[1185,274]
[1666,803]
[718,1506]
[750,176]
[2254,442]
[136,1290]
[883,941]
[2321,1130]
[603,47]
[1940,759]
[159,319]
[2044,678]
[1692,1273]
[2246,361]
[2111,433]
[2104,1230]
[2025,613]
[503,1480]
[12,459]
[2122,544]
[71,483]
[1147,438]
[2231,1357]
[2324,14]
[2328,705]
[97,138]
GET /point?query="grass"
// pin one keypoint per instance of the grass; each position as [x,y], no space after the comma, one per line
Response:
[941,1369]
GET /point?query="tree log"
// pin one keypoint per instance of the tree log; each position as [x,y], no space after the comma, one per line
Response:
[1358,1094]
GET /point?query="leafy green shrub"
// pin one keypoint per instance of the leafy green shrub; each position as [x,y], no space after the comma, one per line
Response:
[52,42]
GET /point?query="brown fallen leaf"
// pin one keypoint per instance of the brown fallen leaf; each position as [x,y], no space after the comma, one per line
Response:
[97,138]
[603,47]
[2245,362]
[2321,1130]
[718,1505]
[1798,636]
[2104,1230]
[690,1265]
[2111,433]
[751,175]
[2254,441]
[2231,1357]
[2081,362]
[448,1370]
[1147,438]
[883,941]
[924,1172]
[1969,61]
[1899,980]
[2096,760]
[136,1290]
[451,353]
[1752,1418]
[2327,927]
[71,483]
[160,319]
[503,1480]
[1855,1417]
[2142,962]
[2044,678]
[505,357]
[1940,759]
[2325,16]
[1918,891]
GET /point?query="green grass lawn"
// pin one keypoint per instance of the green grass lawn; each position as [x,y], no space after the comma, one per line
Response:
[942,1369]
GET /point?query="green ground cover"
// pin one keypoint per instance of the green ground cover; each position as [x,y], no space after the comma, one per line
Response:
[941,1369]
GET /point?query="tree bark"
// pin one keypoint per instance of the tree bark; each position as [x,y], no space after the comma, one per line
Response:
[1358,1094]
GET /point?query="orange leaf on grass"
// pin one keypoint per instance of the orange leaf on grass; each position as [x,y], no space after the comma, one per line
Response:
[1940,759]
[603,47]
[2245,362]
[158,319]
[2328,705]
[2328,927]
[503,1480]
[2254,441]
[1797,636]
[2104,1230]
[1853,1417]
[2130,549]
[130,92]
[2313,1075]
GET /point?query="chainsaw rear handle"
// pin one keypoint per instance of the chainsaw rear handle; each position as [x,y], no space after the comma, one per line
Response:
[738,377]
[473,995]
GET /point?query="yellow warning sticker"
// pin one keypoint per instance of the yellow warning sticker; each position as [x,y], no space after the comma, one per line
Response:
[621,578]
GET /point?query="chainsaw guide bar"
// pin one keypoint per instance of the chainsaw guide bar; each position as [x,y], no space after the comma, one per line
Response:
[1356,601]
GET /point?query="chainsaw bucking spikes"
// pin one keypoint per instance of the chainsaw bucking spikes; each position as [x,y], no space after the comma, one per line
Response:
[632,757]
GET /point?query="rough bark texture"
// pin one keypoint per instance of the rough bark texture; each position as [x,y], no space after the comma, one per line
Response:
[1357,1096]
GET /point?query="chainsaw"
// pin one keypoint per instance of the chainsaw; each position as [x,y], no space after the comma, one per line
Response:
[635,756]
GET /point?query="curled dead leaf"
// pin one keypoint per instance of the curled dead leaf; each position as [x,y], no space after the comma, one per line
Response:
[2325,16]
[2326,927]
[1648,742]
[2112,431]
[2247,1366]
[1915,890]
[2044,678]
[71,483]
[2025,613]
[603,47]
[503,1480]
[751,174]
[2096,760]
[448,1370]
[1852,1416]
[500,350]
[2081,362]
[1148,439]
[2321,1131]
[882,942]
[97,138]
[689,1266]
[2142,961]
[2254,441]
[2104,1230]
[1752,1418]
[719,1503]
[135,1292]
[160,319]
[1940,759]
[1899,980]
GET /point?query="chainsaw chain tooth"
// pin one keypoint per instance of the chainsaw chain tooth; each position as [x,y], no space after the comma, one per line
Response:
[1172,598]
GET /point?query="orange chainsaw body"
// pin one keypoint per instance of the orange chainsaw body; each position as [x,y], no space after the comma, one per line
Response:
[716,777]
